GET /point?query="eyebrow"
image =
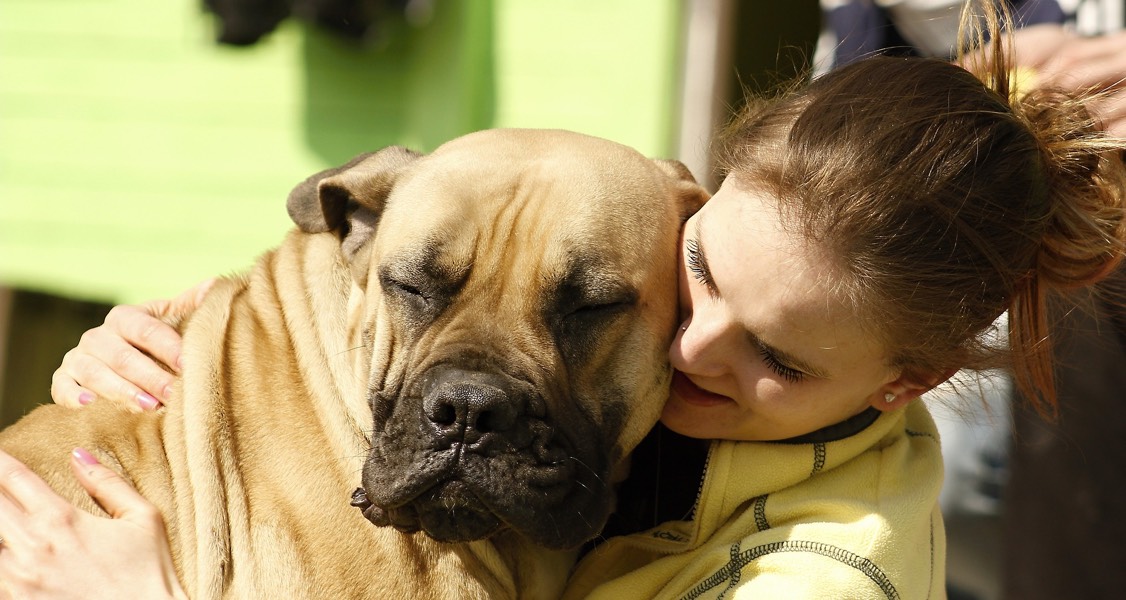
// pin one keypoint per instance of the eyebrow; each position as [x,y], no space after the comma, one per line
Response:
[780,355]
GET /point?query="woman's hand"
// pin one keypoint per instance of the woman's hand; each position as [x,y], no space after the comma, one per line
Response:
[110,360]
[1065,60]
[51,549]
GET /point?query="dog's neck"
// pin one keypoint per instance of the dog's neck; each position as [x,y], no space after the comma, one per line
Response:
[509,553]
[315,303]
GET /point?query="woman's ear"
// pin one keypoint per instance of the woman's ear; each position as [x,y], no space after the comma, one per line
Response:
[907,387]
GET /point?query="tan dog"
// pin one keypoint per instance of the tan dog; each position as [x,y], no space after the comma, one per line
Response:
[477,335]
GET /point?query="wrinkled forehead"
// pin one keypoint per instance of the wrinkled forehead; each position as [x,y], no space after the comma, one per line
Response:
[532,181]
[530,189]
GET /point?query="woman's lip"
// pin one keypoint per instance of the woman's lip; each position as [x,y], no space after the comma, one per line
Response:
[691,393]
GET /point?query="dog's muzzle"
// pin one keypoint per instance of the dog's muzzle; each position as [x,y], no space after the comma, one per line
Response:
[471,451]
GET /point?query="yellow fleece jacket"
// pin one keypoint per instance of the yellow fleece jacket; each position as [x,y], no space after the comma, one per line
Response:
[854,518]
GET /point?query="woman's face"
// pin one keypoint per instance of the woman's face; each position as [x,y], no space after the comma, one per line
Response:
[764,353]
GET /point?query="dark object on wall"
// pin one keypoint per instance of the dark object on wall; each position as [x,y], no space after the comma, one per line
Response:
[244,22]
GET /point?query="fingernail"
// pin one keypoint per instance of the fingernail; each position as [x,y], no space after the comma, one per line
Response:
[166,393]
[85,398]
[83,457]
[146,401]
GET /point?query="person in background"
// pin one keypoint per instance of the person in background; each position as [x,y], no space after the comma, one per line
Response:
[1076,45]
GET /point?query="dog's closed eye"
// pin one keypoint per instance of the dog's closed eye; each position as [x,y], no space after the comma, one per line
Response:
[595,310]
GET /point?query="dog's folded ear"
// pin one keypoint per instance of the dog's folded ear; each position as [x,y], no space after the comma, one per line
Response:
[349,199]
[325,200]
[692,195]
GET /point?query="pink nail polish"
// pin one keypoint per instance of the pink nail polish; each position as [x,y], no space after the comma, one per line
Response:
[83,457]
[146,401]
[85,398]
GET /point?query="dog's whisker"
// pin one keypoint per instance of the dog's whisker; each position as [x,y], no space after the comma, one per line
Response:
[555,524]
[582,516]
[347,350]
[587,467]
[584,486]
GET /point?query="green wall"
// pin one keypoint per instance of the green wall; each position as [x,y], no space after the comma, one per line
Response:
[138,157]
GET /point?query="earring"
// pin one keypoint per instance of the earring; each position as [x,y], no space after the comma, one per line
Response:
[684,328]
[889,397]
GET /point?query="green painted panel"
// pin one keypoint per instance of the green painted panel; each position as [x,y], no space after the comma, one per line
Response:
[137,156]
[606,67]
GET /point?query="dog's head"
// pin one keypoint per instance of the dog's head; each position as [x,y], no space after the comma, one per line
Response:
[517,294]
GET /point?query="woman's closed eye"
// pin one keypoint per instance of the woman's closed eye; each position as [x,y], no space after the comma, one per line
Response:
[777,366]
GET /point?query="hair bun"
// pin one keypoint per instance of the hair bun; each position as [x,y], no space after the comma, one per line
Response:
[1085,181]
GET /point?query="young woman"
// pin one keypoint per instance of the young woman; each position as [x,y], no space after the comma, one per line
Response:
[871,227]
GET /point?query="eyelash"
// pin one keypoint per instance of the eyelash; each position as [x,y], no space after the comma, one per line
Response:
[789,374]
[696,264]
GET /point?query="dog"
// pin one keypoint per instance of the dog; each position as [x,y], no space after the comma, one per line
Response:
[460,348]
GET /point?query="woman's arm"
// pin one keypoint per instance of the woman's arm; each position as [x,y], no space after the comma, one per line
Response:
[52,550]
[121,359]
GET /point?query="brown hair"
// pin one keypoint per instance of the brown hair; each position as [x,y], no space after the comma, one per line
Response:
[941,198]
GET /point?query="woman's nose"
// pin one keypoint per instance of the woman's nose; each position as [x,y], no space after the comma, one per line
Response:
[699,346]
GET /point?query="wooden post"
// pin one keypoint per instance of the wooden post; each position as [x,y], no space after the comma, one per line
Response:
[37,330]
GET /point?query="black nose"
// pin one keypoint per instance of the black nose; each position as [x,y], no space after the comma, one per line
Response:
[484,410]
[474,408]
[481,410]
